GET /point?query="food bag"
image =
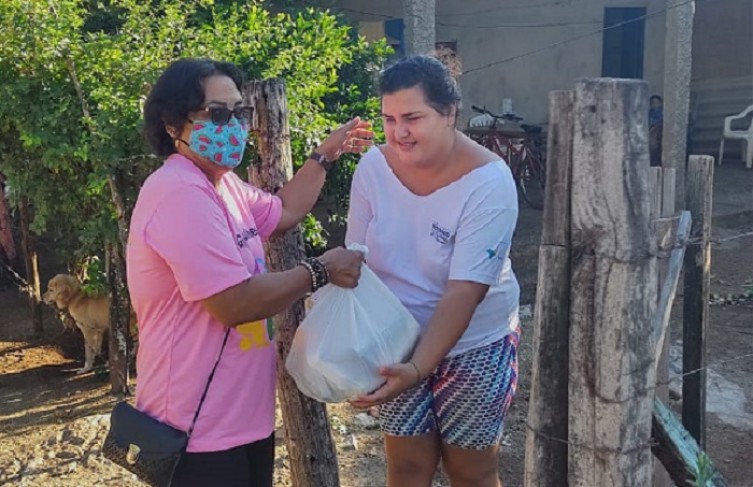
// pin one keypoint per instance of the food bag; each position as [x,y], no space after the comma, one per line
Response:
[347,336]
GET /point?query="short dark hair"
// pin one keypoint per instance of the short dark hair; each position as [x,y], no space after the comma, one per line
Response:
[433,77]
[178,92]
[656,97]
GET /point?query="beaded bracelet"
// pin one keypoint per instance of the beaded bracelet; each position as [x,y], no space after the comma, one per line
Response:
[319,274]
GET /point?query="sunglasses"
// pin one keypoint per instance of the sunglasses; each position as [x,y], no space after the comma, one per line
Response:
[221,115]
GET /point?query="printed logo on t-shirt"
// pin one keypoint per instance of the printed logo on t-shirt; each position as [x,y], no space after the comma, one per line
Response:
[256,334]
[245,235]
[496,252]
[440,233]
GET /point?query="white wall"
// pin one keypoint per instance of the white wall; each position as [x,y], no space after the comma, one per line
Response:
[723,39]
[488,38]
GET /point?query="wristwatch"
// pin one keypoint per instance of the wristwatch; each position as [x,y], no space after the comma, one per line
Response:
[322,160]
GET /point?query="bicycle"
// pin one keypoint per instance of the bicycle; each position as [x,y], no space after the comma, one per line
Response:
[523,150]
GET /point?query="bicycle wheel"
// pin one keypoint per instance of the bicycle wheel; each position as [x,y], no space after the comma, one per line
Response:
[531,180]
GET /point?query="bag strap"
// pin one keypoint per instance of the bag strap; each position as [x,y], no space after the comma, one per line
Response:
[209,381]
[223,206]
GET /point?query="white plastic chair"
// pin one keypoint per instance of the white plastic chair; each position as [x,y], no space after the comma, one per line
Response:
[483,120]
[744,135]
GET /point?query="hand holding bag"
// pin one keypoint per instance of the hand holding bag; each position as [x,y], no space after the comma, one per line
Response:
[347,336]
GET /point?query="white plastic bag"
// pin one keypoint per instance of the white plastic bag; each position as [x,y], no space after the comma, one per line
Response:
[347,336]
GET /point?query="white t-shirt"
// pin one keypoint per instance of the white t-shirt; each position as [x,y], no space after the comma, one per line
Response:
[459,232]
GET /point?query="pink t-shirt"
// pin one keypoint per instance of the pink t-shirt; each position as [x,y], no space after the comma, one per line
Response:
[189,241]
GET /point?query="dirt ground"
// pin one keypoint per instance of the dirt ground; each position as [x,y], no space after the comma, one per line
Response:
[52,421]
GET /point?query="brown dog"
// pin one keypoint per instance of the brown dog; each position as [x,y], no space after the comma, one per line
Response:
[92,315]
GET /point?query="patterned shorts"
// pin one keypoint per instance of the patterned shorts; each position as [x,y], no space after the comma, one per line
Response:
[465,398]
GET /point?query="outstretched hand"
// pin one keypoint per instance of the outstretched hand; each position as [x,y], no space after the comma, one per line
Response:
[352,137]
[399,378]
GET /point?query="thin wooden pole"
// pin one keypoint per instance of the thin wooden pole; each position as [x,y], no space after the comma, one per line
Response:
[313,459]
[614,288]
[120,314]
[700,180]
[662,206]
[678,451]
[546,457]
[31,262]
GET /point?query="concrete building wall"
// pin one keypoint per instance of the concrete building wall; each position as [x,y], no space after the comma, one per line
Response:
[488,31]
[723,39]
[722,74]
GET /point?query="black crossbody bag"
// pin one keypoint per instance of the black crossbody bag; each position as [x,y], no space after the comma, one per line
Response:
[146,447]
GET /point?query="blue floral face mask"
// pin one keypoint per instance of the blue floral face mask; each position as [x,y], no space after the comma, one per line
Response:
[221,144]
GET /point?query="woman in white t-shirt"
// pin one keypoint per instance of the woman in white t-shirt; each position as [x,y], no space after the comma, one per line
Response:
[437,212]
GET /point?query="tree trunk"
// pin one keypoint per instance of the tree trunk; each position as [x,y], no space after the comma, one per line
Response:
[313,458]
[122,212]
[120,344]
[614,288]
[7,245]
[31,261]
[120,312]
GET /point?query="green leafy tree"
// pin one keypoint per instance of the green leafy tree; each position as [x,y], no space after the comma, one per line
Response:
[79,73]
[74,76]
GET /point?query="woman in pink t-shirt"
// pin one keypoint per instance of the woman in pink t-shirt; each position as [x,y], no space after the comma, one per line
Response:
[196,269]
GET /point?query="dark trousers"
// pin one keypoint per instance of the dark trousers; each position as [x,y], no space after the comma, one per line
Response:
[243,466]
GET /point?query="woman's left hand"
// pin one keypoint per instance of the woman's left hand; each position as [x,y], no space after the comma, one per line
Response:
[352,137]
[399,378]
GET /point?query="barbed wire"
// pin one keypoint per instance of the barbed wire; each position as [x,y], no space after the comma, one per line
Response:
[502,9]
[620,451]
[728,239]
[701,369]
[651,389]
[523,26]
[643,394]
[472,26]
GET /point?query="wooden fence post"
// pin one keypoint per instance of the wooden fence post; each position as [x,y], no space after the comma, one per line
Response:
[546,450]
[675,448]
[699,188]
[614,288]
[313,459]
